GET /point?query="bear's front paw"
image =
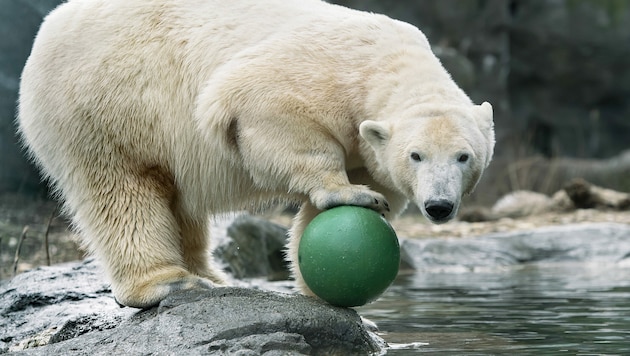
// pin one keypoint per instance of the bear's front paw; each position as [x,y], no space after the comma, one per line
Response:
[356,195]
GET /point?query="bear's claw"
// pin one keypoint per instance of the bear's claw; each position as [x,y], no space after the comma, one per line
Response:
[355,195]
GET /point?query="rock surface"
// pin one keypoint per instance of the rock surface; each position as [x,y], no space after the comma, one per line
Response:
[40,306]
[68,309]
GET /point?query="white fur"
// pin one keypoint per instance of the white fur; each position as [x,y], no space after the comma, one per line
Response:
[150,115]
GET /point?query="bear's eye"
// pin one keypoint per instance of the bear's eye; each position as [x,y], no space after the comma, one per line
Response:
[462,158]
[416,157]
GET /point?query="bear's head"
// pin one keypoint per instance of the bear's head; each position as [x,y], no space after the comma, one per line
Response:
[434,156]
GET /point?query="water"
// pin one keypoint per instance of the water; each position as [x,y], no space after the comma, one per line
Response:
[569,308]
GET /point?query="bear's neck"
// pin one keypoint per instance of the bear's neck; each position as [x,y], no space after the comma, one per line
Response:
[408,82]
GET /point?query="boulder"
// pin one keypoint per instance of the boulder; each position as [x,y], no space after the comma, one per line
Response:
[576,243]
[221,321]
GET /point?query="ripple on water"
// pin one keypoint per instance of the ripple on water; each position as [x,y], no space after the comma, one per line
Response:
[570,308]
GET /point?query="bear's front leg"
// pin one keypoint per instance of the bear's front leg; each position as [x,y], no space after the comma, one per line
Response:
[300,157]
[289,143]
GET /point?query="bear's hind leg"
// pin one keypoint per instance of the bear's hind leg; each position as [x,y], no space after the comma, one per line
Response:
[195,249]
[128,223]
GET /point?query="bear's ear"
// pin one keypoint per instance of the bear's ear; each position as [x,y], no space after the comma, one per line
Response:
[483,115]
[375,133]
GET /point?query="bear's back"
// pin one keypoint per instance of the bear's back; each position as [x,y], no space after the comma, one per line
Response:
[121,79]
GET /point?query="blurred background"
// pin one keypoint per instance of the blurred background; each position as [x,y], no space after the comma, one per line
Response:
[556,71]
[558,76]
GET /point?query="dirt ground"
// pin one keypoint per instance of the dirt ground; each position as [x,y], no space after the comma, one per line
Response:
[16,213]
[416,226]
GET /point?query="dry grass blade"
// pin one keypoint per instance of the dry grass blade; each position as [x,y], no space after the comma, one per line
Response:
[46,245]
[16,260]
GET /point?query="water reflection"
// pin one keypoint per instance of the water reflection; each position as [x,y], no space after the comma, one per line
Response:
[570,308]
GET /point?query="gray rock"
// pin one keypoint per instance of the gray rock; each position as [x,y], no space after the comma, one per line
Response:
[256,249]
[228,321]
[588,242]
[68,310]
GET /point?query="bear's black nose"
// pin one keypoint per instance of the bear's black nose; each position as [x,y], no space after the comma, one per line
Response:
[438,209]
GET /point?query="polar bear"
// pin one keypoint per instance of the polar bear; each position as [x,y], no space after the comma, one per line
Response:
[149,116]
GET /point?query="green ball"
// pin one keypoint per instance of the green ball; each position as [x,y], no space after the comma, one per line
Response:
[349,255]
